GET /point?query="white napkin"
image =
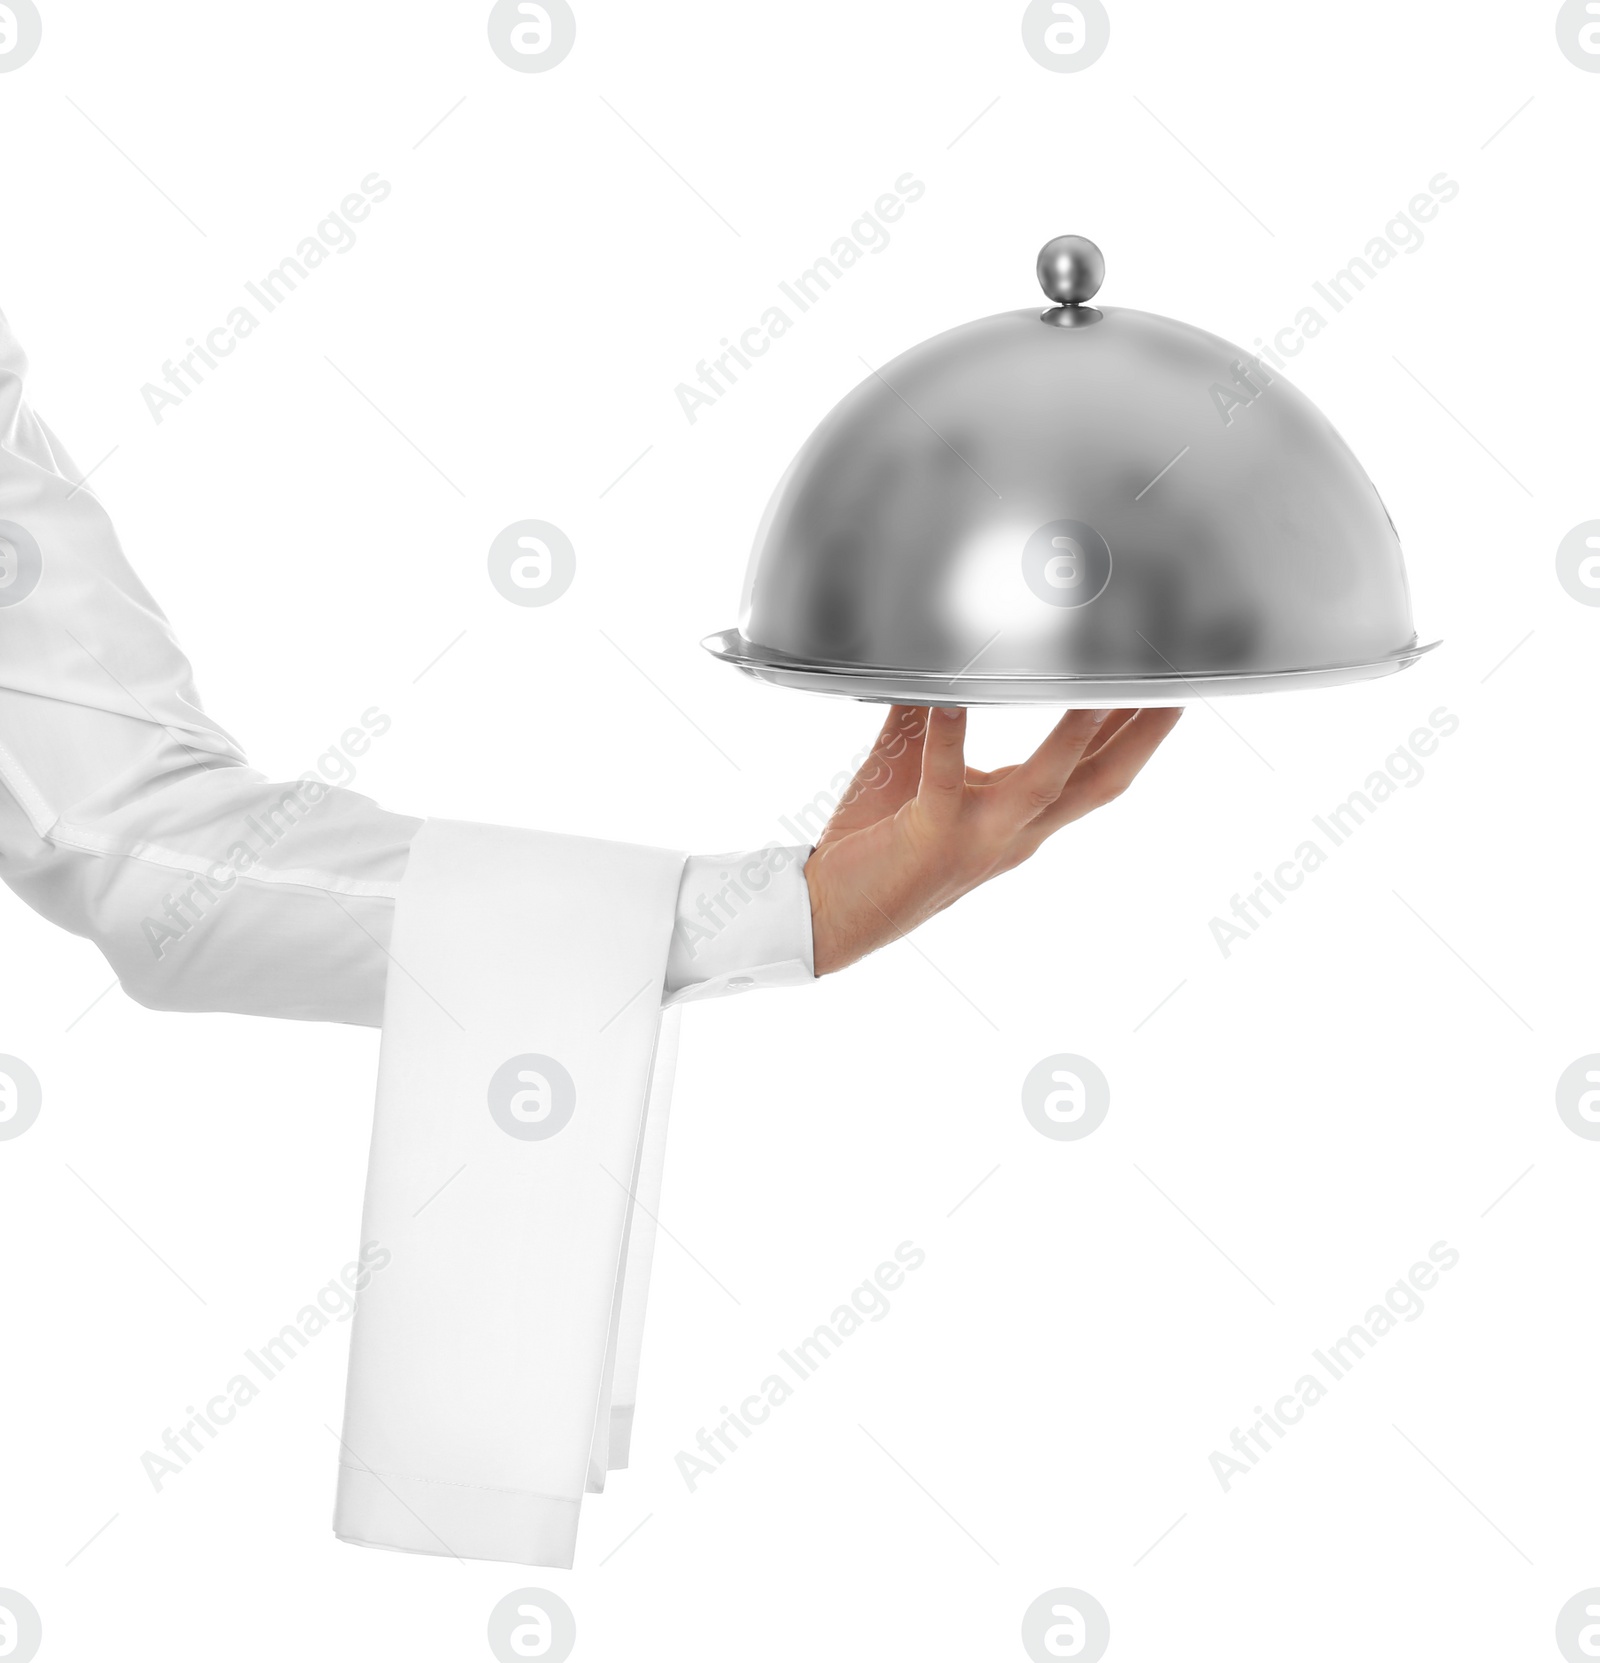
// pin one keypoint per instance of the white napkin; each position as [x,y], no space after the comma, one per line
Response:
[494,1360]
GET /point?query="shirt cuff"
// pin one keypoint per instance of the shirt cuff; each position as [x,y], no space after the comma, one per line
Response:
[744,921]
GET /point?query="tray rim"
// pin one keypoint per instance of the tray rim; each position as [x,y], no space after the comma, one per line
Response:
[730,647]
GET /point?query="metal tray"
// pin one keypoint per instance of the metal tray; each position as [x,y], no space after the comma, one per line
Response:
[924,687]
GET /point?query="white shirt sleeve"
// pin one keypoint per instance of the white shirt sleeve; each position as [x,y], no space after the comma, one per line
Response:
[744,921]
[128,816]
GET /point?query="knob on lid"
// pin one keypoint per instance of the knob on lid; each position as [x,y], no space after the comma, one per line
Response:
[1071,270]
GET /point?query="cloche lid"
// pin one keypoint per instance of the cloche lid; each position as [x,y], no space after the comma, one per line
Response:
[1084,505]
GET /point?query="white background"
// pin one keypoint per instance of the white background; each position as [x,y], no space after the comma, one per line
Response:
[1340,1093]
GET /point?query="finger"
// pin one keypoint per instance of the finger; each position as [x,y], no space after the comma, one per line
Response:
[1035,785]
[1101,778]
[888,776]
[1115,719]
[944,767]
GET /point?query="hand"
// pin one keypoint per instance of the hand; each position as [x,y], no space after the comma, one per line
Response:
[918,828]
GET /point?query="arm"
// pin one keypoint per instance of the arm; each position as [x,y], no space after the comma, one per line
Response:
[130,817]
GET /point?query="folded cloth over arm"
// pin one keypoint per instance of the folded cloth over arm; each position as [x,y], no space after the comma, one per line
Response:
[521,1029]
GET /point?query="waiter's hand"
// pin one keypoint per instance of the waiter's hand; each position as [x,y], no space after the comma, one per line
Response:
[918,828]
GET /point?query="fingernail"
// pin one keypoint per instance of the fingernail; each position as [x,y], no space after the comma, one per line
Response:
[950,710]
[1099,717]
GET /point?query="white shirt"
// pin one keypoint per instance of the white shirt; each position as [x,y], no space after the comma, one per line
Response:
[130,817]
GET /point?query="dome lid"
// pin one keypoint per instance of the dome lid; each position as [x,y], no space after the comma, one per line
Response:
[1082,505]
